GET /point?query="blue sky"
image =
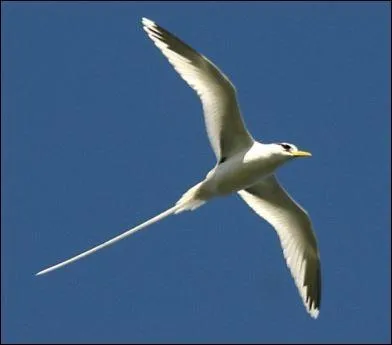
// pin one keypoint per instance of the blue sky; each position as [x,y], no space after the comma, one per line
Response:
[99,133]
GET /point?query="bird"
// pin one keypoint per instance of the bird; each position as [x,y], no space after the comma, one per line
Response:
[243,166]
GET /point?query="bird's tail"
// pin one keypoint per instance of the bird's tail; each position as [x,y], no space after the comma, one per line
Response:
[187,202]
[190,200]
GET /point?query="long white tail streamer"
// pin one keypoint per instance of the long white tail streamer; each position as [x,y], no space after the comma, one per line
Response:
[129,232]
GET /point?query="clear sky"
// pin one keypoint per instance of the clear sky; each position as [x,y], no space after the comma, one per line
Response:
[99,133]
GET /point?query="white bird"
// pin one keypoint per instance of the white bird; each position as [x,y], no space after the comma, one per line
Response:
[243,165]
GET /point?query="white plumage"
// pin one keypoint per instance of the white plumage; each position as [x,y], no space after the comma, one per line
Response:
[225,127]
[243,165]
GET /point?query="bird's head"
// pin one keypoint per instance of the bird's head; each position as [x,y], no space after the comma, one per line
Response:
[290,151]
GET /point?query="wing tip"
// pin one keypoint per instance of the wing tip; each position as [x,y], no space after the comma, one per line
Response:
[312,304]
[148,22]
[314,312]
[151,28]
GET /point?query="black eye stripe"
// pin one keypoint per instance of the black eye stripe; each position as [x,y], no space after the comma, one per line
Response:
[286,146]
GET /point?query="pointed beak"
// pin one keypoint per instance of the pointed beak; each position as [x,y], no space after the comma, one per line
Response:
[301,154]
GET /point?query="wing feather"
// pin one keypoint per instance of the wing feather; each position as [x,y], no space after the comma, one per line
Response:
[293,226]
[225,127]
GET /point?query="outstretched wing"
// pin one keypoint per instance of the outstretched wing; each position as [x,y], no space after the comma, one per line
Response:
[225,127]
[271,202]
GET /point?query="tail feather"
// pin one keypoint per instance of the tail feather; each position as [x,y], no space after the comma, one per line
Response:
[129,232]
[187,202]
[190,200]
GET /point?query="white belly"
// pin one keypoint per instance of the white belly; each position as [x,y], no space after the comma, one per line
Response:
[239,172]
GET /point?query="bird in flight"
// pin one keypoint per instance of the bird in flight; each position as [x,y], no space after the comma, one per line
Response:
[244,166]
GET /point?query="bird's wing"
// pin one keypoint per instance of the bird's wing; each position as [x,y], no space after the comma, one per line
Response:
[292,223]
[225,127]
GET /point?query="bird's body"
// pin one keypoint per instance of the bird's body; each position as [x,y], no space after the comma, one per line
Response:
[240,171]
[244,166]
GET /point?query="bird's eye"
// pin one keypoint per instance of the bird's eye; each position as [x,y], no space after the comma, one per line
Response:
[286,147]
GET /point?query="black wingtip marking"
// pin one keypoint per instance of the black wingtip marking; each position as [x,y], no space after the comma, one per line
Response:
[313,282]
[318,298]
